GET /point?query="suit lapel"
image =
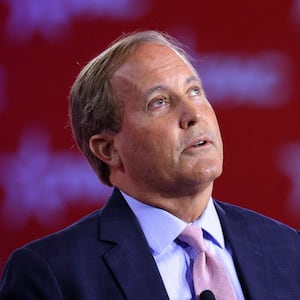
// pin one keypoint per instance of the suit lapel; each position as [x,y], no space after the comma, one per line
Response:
[248,251]
[134,268]
[130,258]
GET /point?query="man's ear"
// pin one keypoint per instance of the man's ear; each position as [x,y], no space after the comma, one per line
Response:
[102,145]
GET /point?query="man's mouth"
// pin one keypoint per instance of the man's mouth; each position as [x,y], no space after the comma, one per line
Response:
[199,144]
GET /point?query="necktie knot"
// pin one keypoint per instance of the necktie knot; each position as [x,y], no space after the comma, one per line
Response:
[193,236]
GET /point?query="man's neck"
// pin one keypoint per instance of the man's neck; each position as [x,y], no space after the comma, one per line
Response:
[185,206]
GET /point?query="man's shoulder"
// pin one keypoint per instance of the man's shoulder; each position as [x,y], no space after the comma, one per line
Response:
[82,232]
[255,220]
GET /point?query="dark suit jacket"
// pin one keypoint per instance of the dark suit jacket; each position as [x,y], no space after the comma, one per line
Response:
[105,256]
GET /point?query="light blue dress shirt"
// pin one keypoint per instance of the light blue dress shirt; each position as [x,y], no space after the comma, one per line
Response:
[173,260]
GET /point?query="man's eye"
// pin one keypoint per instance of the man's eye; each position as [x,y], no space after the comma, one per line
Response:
[195,91]
[156,103]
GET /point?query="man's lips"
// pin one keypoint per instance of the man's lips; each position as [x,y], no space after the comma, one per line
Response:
[199,142]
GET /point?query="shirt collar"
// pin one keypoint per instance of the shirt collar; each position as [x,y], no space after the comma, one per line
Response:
[161,228]
[210,223]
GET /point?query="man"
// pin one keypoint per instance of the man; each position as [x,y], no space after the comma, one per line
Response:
[139,114]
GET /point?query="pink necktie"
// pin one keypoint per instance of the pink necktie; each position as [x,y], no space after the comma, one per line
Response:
[208,271]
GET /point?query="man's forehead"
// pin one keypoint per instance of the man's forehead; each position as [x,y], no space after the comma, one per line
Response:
[148,68]
[160,52]
[150,57]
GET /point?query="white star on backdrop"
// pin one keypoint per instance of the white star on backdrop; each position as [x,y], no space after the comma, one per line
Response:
[52,18]
[40,183]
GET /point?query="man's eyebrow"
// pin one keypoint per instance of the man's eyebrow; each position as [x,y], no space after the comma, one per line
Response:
[154,89]
[193,78]
[162,88]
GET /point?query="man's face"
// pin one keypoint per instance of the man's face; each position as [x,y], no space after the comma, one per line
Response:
[170,139]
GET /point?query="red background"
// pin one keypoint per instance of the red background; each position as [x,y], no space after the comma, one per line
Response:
[39,70]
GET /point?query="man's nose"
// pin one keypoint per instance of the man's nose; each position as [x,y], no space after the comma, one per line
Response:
[190,113]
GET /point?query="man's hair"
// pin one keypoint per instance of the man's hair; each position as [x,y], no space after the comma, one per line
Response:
[93,105]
